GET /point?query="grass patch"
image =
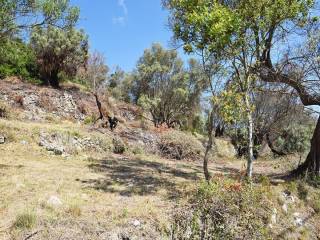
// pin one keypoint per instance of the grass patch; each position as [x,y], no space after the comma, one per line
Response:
[26,220]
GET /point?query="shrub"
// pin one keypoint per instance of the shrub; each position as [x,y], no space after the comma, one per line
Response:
[118,146]
[3,110]
[295,138]
[17,59]
[180,145]
[302,190]
[89,120]
[223,210]
[316,205]
[25,220]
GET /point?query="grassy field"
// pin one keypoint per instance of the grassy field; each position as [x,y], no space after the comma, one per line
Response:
[93,195]
[100,194]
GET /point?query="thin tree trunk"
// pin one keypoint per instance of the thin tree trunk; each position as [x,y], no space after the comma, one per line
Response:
[312,164]
[208,147]
[250,138]
[99,105]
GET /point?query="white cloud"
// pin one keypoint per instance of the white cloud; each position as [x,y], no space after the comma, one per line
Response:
[123,5]
[118,20]
[121,20]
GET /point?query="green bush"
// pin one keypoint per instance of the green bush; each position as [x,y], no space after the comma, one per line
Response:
[17,59]
[180,145]
[295,138]
[223,210]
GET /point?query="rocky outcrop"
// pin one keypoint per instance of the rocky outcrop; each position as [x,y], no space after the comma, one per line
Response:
[61,143]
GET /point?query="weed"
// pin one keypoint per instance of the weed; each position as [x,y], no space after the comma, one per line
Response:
[89,120]
[118,146]
[25,220]
[302,190]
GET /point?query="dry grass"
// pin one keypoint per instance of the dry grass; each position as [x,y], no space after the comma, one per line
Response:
[101,195]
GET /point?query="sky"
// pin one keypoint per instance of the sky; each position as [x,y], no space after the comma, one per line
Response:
[122,29]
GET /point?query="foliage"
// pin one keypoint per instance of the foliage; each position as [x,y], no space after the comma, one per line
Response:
[59,51]
[17,15]
[231,108]
[294,138]
[180,145]
[119,84]
[17,59]
[96,70]
[162,86]
[198,124]
[223,209]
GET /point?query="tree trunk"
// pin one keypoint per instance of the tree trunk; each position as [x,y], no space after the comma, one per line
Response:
[250,138]
[311,166]
[54,79]
[209,147]
[99,105]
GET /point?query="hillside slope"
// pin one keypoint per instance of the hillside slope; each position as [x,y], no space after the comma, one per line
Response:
[62,177]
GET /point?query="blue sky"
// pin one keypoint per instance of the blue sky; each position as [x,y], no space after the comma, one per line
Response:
[122,29]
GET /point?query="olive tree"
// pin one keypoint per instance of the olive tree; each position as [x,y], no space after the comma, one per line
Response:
[249,33]
[17,15]
[59,51]
[162,86]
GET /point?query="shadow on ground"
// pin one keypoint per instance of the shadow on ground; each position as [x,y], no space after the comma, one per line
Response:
[138,176]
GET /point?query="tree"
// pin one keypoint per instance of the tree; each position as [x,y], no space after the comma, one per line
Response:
[17,59]
[230,28]
[59,51]
[17,15]
[163,87]
[207,27]
[96,70]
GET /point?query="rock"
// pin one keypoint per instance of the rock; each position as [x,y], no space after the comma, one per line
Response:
[287,197]
[265,150]
[54,201]
[298,221]
[224,148]
[52,143]
[274,216]
[2,139]
[23,142]
[285,208]
[136,223]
